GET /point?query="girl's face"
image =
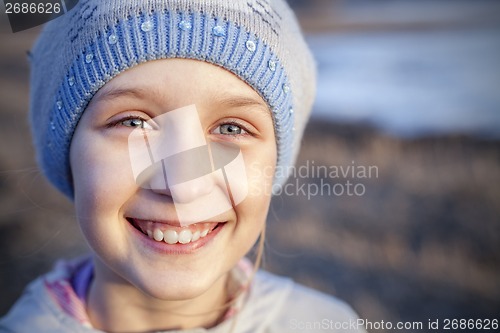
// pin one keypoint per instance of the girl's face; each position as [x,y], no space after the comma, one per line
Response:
[116,213]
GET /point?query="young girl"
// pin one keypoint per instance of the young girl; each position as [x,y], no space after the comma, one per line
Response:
[162,120]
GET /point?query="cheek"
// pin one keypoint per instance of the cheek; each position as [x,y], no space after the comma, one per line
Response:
[102,177]
[260,167]
[252,212]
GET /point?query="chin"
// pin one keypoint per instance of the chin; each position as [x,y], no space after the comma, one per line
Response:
[174,286]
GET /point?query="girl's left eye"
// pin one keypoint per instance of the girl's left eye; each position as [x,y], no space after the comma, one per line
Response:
[229,129]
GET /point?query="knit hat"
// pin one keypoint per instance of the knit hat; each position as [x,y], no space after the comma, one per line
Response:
[77,53]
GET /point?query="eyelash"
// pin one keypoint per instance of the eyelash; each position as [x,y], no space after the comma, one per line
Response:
[235,123]
[230,122]
[121,120]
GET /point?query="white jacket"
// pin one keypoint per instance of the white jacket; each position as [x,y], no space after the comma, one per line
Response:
[274,304]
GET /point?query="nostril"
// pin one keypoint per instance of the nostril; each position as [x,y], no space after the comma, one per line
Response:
[154,177]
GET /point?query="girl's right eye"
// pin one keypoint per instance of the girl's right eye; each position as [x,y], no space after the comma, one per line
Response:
[133,122]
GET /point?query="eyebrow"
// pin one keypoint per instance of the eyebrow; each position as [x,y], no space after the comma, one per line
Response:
[237,101]
[114,93]
[224,99]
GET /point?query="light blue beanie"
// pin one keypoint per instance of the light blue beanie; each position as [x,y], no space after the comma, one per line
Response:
[77,53]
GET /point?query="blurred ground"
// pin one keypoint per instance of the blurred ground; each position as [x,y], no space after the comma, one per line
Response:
[421,243]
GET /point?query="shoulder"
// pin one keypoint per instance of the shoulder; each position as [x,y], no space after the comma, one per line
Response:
[299,308]
[36,310]
[311,310]
[31,312]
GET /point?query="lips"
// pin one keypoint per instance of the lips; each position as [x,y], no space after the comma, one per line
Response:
[172,233]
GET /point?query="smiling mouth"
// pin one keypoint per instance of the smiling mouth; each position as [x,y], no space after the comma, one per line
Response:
[163,232]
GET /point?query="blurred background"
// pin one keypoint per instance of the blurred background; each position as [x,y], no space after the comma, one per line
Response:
[411,87]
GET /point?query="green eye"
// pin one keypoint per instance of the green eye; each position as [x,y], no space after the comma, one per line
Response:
[230,129]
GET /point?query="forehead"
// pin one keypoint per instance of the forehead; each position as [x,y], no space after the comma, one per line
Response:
[180,82]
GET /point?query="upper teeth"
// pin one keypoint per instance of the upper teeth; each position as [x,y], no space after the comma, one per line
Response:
[171,236]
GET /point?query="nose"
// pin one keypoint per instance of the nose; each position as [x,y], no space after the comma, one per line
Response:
[154,178]
[180,164]
[189,174]
[185,177]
